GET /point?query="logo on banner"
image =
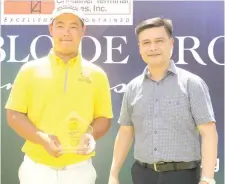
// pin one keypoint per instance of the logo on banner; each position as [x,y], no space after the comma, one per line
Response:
[38,12]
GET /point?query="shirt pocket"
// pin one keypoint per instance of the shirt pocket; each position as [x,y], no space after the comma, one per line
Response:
[176,108]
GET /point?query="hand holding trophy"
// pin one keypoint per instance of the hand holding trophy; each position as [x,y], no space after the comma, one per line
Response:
[76,135]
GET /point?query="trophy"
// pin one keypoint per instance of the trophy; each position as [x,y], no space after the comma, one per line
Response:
[71,131]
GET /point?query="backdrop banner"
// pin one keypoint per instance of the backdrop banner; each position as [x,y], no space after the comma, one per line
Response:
[110,42]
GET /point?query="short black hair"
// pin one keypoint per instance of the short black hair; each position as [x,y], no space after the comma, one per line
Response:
[155,22]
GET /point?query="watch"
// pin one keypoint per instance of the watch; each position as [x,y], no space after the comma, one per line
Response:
[208,180]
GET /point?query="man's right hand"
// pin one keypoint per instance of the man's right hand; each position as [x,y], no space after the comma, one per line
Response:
[113,179]
[51,144]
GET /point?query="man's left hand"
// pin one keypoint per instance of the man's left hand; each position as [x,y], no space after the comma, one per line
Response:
[87,145]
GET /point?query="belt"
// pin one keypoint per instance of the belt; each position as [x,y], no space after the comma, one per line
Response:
[170,166]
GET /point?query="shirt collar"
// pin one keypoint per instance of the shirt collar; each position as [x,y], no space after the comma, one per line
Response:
[172,68]
[57,60]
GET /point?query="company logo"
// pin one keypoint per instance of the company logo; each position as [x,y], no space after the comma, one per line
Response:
[38,12]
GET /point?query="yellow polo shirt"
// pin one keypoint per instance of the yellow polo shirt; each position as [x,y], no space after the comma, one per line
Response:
[48,91]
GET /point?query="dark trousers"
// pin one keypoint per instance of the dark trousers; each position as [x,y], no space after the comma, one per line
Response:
[142,175]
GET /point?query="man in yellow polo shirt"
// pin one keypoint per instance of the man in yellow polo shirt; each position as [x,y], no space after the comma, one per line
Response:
[52,92]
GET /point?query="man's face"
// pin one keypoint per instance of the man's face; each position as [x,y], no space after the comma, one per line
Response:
[155,46]
[67,32]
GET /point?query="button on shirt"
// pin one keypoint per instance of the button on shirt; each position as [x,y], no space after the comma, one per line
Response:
[165,115]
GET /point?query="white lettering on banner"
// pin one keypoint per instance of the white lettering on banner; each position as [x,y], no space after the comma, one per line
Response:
[6,86]
[182,49]
[211,49]
[110,48]
[98,49]
[34,43]
[120,88]
[109,60]
[194,52]
[2,52]
[13,51]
